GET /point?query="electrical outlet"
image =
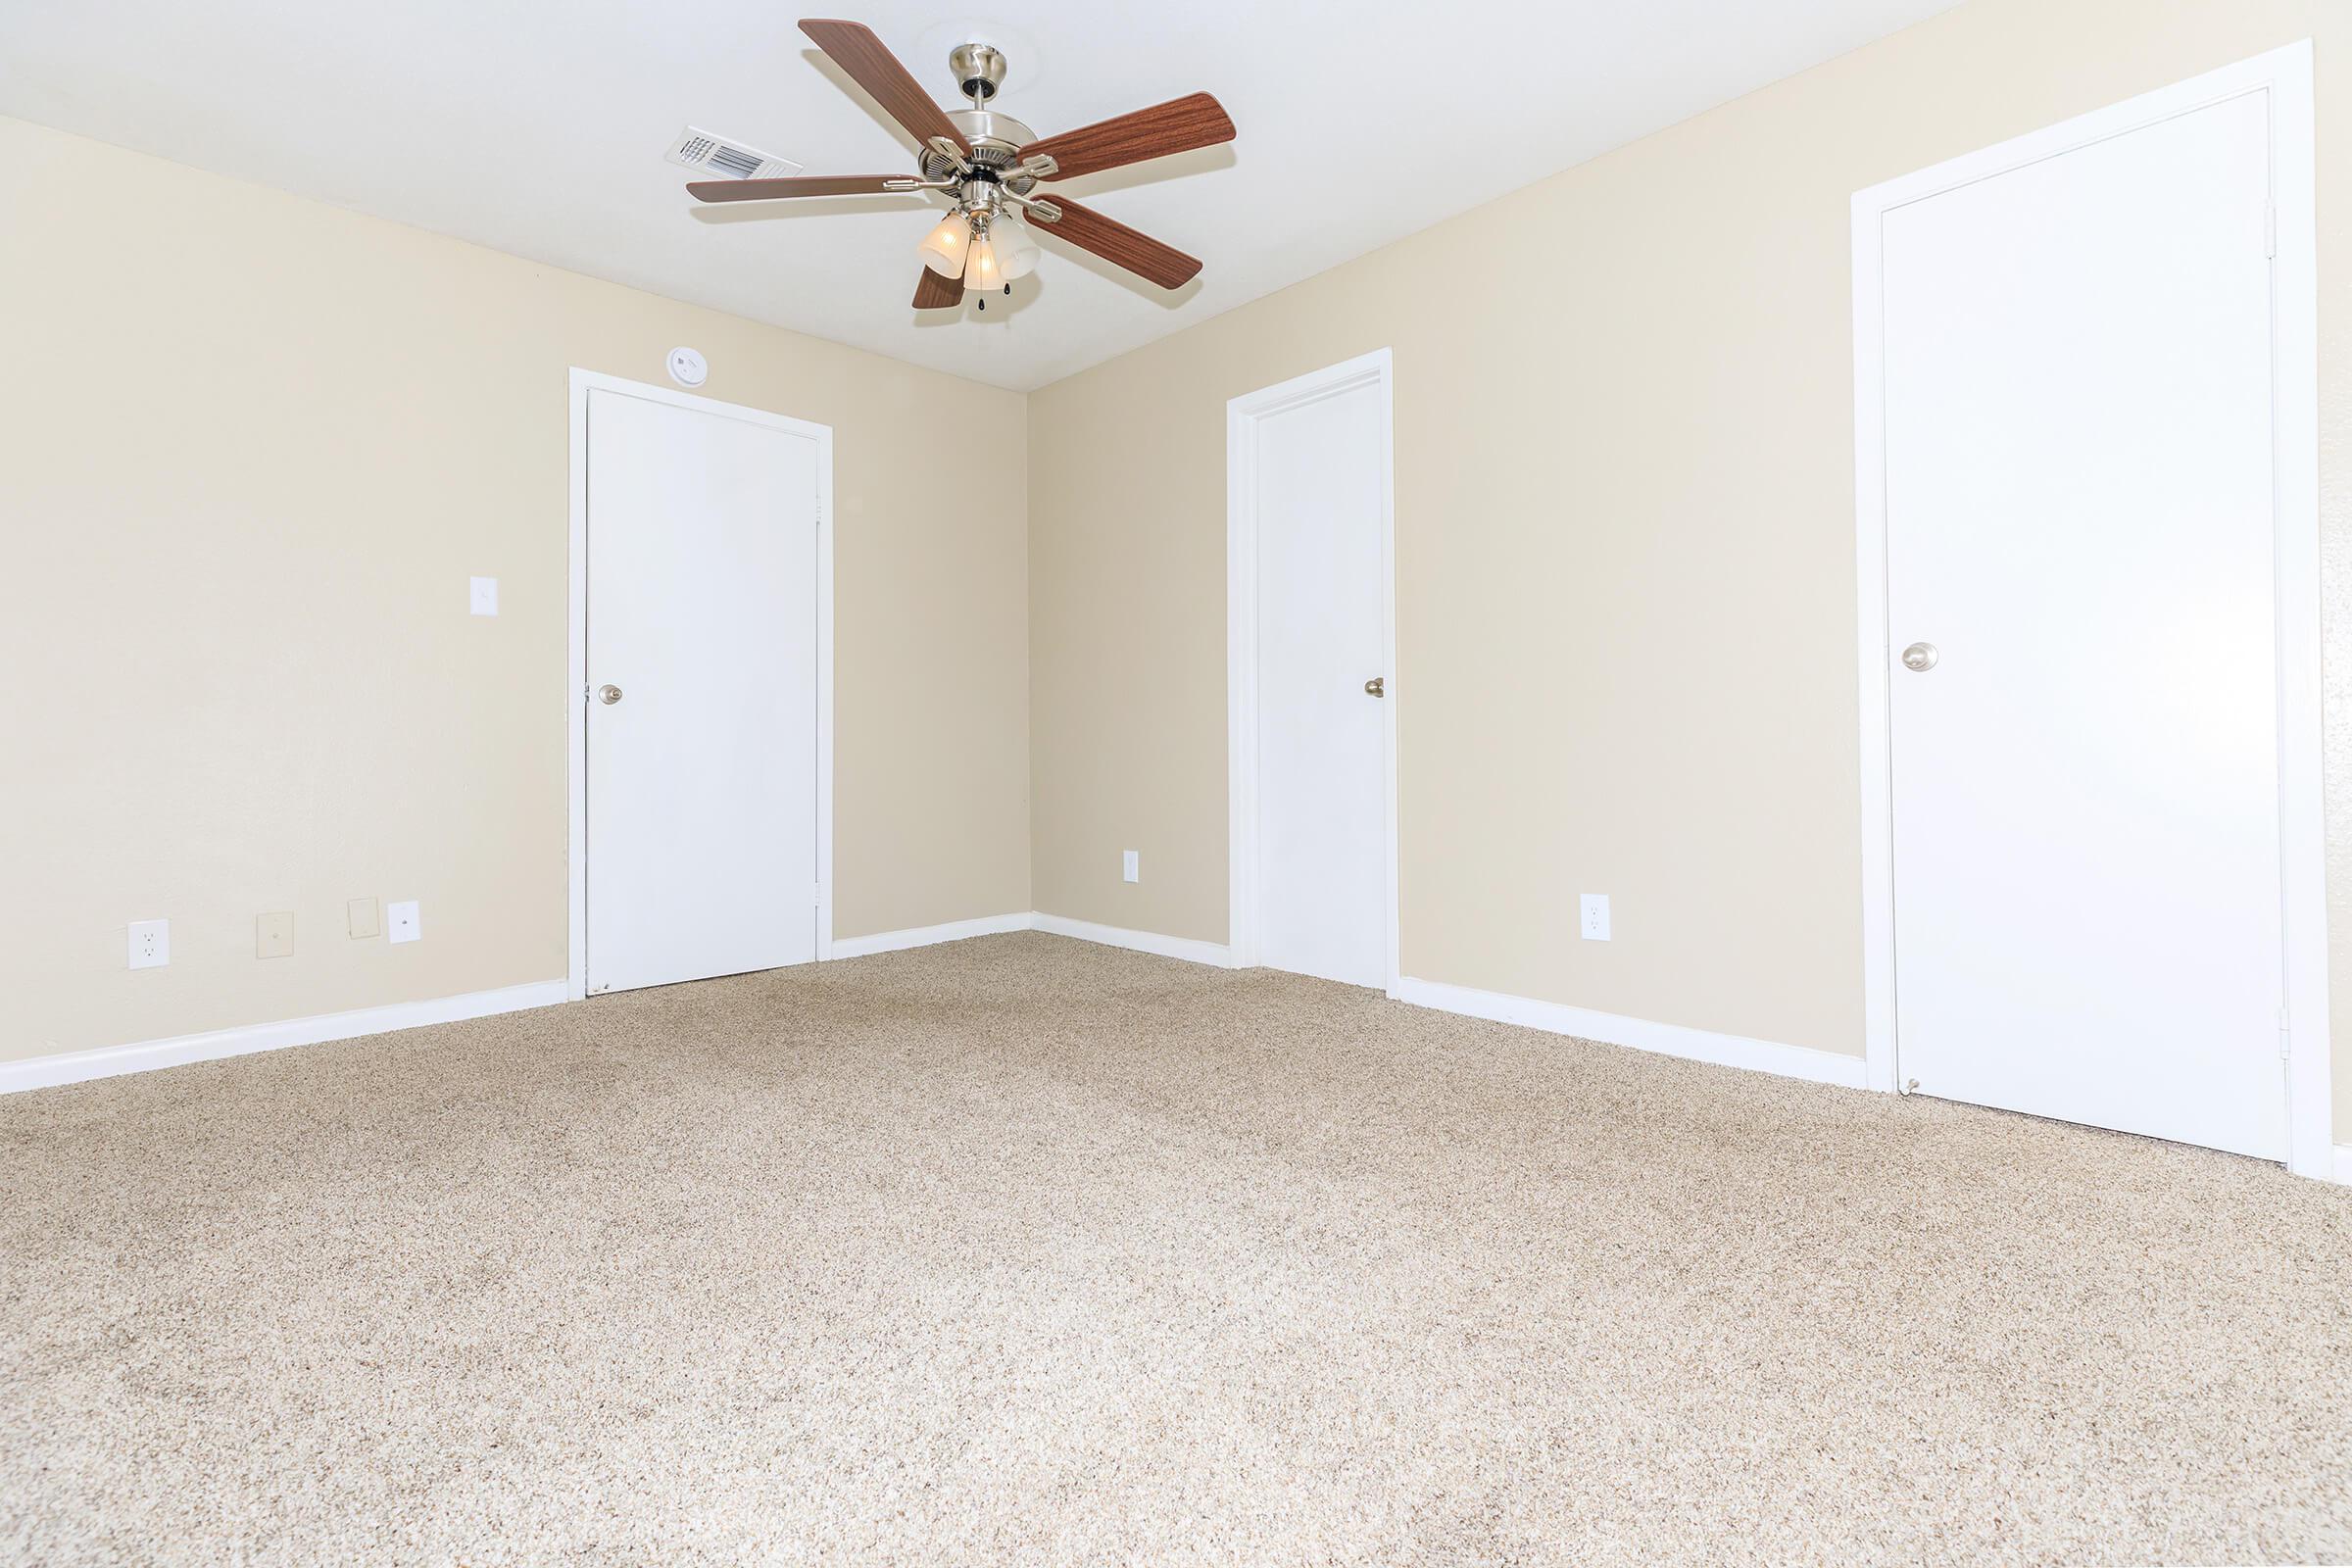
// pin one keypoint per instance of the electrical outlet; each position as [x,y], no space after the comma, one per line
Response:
[359,918]
[274,935]
[150,944]
[1592,912]
[402,921]
[1131,865]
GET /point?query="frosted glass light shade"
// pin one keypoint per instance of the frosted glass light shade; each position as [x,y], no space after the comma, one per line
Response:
[943,249]
[1015,248]
[982,270]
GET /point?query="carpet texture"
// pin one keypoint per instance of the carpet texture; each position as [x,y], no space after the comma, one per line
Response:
[1025,1251]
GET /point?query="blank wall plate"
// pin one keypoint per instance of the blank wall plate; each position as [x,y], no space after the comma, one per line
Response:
[150,944]
[402,921]
[359,918]
[274,935]
[1131,865]
[481,595]
[1593,916]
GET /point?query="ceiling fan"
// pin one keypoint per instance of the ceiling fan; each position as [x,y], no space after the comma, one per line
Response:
[988,164]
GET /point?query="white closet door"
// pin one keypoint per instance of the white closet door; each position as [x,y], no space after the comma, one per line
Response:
[1322,739]
[2080,536]
[702,620]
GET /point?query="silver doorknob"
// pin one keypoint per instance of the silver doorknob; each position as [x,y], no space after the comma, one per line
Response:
[607,695]
[1377,686]
[1920,656]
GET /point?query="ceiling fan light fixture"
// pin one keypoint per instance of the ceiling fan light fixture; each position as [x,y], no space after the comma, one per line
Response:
[1015,249]
[985,160]
[983,271]
[943,249]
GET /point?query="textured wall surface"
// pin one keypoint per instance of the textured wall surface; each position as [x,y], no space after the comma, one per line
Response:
[254,447]
[1624,532]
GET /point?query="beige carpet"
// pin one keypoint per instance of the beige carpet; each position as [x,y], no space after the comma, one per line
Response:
[1025,1251]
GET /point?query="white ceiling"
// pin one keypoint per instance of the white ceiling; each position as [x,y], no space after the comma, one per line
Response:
[537,127]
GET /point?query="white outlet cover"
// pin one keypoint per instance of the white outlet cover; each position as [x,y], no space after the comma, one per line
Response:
[150,944]
[481,595]
[1593,916]
[401,923]
[1131,865]
[274,935]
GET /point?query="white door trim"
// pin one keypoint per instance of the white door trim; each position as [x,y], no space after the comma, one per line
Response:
[575,686]
[2286,74]
[1241,416]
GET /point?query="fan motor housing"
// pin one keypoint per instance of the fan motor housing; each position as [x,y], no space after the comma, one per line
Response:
[997,142]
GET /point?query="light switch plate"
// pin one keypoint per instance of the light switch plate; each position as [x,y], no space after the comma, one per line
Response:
[274,935]
[150,944]
[482,595]
[402,921]
[1131,865]
[1593,916]
[359,918]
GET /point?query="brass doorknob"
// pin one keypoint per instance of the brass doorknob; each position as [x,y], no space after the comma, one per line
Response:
[1377,686]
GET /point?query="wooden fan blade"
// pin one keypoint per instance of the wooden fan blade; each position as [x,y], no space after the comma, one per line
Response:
[1116,243]
[933,292]
[768,190]
[1176,126]
[854,47]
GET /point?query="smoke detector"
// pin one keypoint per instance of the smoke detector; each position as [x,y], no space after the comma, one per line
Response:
[696,148]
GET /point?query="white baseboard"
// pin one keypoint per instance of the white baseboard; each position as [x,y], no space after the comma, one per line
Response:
[1666,1039]
[2343,1164]
[112,1062]
[923,936]
[146,1056]
[1189,949]
[1553,1018]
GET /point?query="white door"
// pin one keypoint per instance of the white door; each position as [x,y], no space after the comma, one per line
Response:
[2079,526]
[702,708]
[1321,473]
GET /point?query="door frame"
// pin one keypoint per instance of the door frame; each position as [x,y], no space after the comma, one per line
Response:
[1242,417]
[2286,74]
[575,686]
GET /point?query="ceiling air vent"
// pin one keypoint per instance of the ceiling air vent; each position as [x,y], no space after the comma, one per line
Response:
[729,160]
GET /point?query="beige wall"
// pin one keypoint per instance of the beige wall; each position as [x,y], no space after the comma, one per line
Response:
[251,448]
[1624,537]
